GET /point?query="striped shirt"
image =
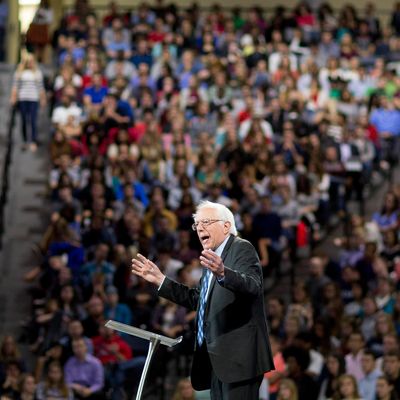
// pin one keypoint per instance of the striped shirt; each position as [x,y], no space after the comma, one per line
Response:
[28,84]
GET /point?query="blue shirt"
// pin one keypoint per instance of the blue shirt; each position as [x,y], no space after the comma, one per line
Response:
[105,268]
[118,46]
[184,80]
[77,54]
[120,313]
[142,58]
[76,256]
[96,94]
[140,193]
[367,385]
[384,220]
[125,109]
[386,121]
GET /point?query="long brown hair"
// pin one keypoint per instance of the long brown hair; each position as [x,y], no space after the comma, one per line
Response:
[60,385]
[4,357]
[338,395]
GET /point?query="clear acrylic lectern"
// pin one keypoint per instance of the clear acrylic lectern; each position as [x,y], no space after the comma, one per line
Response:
[154,340]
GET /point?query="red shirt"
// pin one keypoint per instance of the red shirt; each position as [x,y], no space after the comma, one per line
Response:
[156,37]
[87,81]
[244,115]
[106,356]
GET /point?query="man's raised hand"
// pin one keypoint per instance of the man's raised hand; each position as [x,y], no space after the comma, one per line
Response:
[146,269]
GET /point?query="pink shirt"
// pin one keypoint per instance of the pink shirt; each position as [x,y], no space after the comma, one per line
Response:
[353,365]
[280,367]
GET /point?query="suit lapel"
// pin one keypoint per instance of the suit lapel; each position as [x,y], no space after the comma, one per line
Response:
[227,246]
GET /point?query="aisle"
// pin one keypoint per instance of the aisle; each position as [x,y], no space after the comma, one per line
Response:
[24,217]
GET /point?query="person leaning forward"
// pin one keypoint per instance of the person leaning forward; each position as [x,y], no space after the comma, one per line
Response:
[232,350]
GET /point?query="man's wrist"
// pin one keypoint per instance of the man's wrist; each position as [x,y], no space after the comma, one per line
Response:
[221,277]
[162,281]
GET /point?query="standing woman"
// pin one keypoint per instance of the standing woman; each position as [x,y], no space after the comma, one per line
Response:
[27,92]
[37,35]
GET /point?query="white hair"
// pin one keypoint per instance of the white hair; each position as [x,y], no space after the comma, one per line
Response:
[223,213]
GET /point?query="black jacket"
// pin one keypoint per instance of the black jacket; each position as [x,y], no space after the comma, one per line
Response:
[235,327]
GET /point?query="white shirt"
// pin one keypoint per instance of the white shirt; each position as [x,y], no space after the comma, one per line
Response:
[316,363]
[29,84]
[61,114]
[218,252]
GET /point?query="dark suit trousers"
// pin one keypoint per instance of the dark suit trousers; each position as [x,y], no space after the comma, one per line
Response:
[244,390]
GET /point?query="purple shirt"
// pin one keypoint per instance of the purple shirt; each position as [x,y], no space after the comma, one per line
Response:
[88,373]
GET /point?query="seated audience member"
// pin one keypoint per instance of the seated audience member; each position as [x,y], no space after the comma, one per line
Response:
[9,351]
[94,95]
[112,351]
[95,307]
[84,373]
[335,367]
[10,387]
[385,389]
[367,385]
[314,369]
[347,388]
[67,112]
[99,266]
[288,390]
[391,369]
[27,387]
[297,360]
[74,332]
[275,377]
[114,309]
[355,344]
[53,386]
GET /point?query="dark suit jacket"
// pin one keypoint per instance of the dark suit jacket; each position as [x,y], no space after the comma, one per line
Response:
[235,327]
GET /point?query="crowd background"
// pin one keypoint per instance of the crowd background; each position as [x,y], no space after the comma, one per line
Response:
[287,119]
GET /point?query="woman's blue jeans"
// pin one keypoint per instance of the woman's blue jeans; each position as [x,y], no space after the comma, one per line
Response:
[29,112]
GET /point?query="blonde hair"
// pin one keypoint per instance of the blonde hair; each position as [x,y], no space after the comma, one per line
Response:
[293,389]
[28,61]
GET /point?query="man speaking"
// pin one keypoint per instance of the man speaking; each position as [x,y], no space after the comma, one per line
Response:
[232,350]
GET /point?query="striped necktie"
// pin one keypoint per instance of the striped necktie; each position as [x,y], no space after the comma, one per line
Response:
[203,301]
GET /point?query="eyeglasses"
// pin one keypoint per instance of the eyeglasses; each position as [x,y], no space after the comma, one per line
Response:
[205,222]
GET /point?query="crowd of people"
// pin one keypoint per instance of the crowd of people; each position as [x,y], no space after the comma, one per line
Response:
[286,119]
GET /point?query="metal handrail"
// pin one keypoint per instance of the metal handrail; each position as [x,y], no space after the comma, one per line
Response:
[5,172]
